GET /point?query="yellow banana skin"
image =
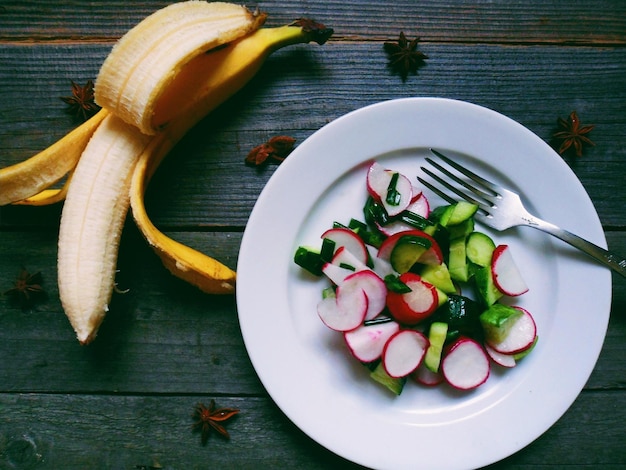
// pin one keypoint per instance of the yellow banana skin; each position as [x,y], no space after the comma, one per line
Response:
[26,179]
[224,72]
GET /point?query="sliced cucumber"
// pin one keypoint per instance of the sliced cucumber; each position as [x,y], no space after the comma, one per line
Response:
[498,320]
[439,276]
[480,248]
[437,337]
[407,251]
[457,263]
[487,290]
[309,259]
[382,377]
[461,230]
[462,211]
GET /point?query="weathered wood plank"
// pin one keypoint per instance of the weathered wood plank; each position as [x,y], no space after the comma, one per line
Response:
[338,79]
[58,431]
[443,20]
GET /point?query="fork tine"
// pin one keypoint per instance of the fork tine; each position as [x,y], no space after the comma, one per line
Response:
[478,192]
[471,175]
[444,183]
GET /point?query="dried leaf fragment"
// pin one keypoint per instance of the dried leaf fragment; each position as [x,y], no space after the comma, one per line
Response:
[276,149]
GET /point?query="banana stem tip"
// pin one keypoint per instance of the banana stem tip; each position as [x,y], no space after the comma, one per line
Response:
[318,32]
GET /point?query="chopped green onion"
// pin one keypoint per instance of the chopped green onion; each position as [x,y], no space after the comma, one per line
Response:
[375,212]
[377,321]
[328,249]
[394,284]
[393,195]
[415,220]
[347,266]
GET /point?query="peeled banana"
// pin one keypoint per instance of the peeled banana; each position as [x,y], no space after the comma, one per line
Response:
[91,223]
[160,79]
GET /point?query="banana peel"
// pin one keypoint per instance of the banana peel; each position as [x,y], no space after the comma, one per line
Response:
[197,84]
[25,181]
[224,72]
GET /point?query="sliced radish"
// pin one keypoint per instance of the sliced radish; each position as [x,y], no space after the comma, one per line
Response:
[419,205]
[504,360]
[521,335]
[427,377]
[367,342]
[466,365]
[506,276]
[374,288]
[345,257]
[348,239]
[337,274]
[379,183]
[404,352]
[346,311]
[418,304]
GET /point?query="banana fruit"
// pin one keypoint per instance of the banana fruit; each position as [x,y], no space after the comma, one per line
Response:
[159,80]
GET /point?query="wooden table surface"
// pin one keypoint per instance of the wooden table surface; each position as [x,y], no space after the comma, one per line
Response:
[125,401]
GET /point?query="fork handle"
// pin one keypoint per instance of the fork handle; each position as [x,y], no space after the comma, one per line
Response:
[613,261]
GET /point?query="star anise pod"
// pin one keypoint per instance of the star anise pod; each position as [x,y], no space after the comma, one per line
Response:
[572,135]
[26,287]
[210,418]
[276,149]
[81,104]
[404,58]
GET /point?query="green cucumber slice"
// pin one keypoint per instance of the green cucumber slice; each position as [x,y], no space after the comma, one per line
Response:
[461,211]
[480,248]
[498,320]
[437,337]
[379,374]
[439,276]
[457,262]
[407,251]
[485,286]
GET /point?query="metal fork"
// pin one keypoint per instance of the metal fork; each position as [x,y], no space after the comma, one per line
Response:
[500,208]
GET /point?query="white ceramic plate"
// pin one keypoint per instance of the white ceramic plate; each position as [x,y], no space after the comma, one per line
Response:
[306,368]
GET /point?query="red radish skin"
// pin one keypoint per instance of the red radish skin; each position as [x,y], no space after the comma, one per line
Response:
[366,343]
[521,336]
[425,376]
[348,239]
[504,360]
[412,307]
[378,180]
[404,352]
[374,288]
[506,275]
[346,311]
[466,365]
